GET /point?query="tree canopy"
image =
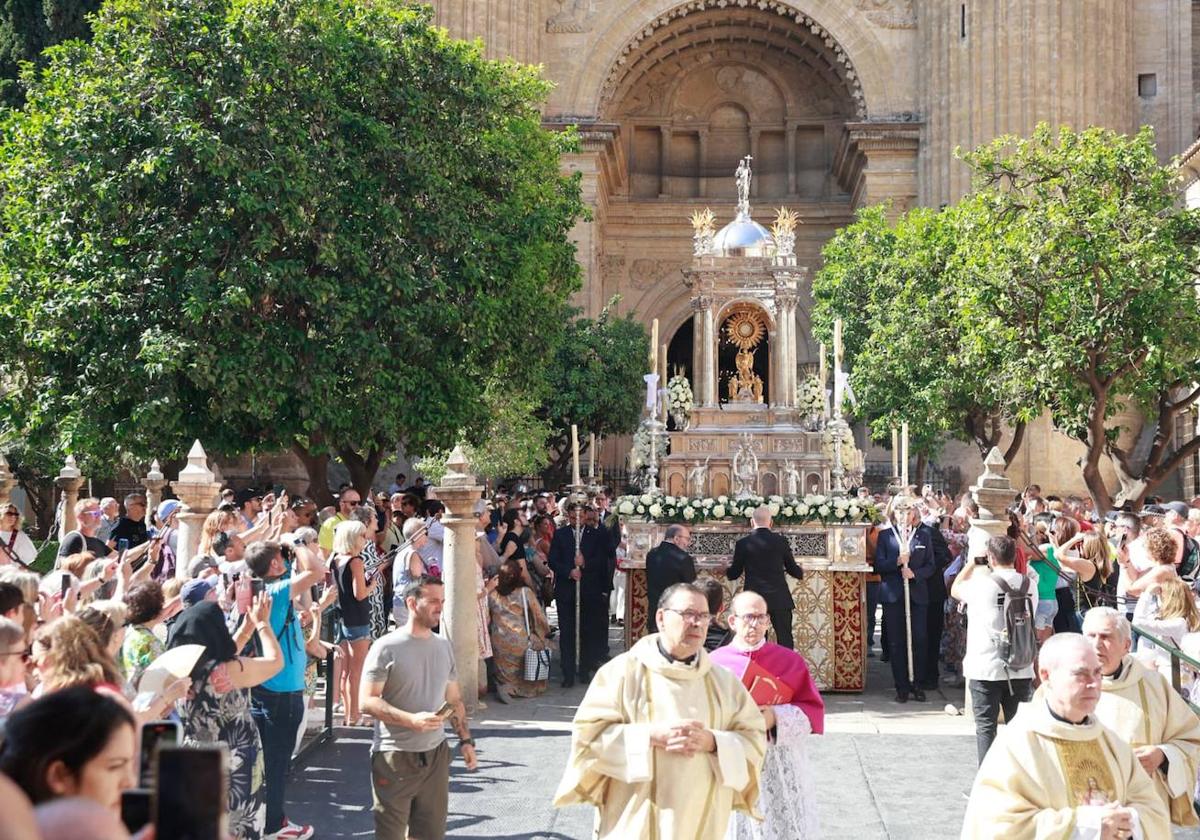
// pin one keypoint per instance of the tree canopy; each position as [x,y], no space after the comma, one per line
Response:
[317,224]
[1064,282]
[27,27]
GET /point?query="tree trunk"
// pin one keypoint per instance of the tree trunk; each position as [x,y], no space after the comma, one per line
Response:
[317,467]
[1096,443]
[919,475]
[1014,446]
[42,496]
[362,470]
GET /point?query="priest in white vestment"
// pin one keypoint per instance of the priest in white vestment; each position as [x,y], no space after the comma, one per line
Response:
[665,745]
[1055,772]
[781,685]
[1139,704]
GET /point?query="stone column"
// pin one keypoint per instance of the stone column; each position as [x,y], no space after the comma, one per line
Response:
[703,181]
[459,491]
[197,489]
[69,481]
[7,481]
[787,321]
[709,397]
[791,153]
[664,162]
[154,482]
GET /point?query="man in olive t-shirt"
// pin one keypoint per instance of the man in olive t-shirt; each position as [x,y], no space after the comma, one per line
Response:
[408,678]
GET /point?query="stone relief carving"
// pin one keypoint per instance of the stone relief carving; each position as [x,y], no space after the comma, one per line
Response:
[889,14]
[612,269]
[701,445]
[645,274]
[574,16]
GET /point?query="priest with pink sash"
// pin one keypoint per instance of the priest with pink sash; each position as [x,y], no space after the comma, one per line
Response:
[780,684]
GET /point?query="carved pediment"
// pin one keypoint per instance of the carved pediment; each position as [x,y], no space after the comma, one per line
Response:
[889,14]
[574,16]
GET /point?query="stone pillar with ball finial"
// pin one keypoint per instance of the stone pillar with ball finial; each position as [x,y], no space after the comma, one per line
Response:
[197,490]
[69,480]
[458,491]
[154,482]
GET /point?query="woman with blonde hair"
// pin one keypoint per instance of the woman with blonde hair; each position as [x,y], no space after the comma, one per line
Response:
[216,522]
[1167,611]
[15,546]
[354,593]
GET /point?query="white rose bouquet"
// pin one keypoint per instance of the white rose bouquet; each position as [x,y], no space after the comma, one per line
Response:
[810,397]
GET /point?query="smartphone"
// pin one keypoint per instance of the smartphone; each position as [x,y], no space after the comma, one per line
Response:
[445,711]
[135,808]
[981,561]
[155,734]
[190,797]
[122,546]
[66,586]
[257,585]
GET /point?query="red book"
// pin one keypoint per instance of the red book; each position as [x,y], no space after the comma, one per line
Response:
[766,688]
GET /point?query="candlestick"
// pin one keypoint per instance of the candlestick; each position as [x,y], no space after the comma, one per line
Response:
[837,344]
[651,380]
[575,455]
[904,454]
[654,345]
[895,452]
[591,456]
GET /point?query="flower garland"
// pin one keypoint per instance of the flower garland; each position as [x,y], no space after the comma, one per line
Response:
[785,510]
[851,457]
[810,397]
[680,400]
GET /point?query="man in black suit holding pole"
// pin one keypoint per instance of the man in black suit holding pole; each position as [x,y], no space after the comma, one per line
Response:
[765,556]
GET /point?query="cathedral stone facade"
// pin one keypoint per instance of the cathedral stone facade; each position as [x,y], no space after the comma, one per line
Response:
[841,103]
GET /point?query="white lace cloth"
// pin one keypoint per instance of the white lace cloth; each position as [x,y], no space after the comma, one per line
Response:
[786,798]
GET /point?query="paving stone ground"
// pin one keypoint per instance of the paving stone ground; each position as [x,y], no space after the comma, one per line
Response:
[885,771]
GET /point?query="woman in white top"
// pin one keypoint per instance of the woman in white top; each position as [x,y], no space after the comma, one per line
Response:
[15,545]
[1168,611]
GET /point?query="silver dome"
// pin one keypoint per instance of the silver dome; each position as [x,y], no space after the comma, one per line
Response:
[744,237]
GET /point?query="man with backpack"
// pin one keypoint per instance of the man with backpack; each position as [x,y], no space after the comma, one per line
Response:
[1001,603]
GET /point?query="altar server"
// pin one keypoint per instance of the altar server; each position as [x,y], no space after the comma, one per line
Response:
[1055,771]
[665,744]
[792,708]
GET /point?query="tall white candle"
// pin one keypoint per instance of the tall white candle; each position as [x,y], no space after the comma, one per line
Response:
[837,344]
[822,373]
[575,455]
[654,346]
[904,454]
[895,452]
[592,455]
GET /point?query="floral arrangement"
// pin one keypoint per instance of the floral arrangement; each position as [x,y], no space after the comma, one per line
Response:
[679,398]
[785,510]
[810,397]
[639,455]
[851,457]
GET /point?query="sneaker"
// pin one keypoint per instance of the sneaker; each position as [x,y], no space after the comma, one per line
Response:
[292,831]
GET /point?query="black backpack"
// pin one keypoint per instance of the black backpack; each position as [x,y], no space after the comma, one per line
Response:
[1191,557]
[1016,643]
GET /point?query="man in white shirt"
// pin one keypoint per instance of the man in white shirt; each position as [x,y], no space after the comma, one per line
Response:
[994,684]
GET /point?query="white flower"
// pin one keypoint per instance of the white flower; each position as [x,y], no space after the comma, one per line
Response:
[789,511]
[802,509]
[722,499]
[689,513]
[718,512]
[855,511]
[656,510]
[647,499]
[669,500]
[823,510]
[774,508]
[626,507]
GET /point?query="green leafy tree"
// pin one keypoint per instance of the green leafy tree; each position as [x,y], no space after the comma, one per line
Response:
[27,27]
[1077,278]
[315,224]
[889,282]
[594,380]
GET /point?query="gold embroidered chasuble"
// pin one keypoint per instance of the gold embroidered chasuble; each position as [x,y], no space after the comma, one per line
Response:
[643,792]
[1140,705]
[1040,772]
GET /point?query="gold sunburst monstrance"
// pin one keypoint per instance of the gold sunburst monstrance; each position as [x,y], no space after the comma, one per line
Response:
[745,328]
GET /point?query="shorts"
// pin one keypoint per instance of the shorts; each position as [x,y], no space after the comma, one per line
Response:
[1044,617]
[347,633]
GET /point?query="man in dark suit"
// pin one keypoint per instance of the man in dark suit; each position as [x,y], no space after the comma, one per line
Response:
[666,564]
[765,556]
[583,553]
[905,550]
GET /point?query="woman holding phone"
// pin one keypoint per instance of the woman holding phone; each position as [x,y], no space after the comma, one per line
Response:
[354,593]
[217,709]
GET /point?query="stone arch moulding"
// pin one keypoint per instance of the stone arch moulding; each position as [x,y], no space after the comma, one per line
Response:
[728,306]
[845,32]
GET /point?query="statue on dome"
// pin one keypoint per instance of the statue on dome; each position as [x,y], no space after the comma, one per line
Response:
[743,175]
